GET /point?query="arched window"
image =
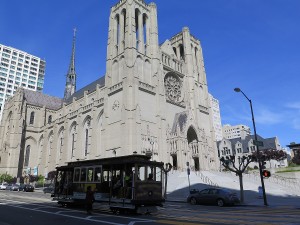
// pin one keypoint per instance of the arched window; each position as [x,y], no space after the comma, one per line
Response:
[174,49]
[72,140]
[50,143]
[99,133]
[27,154]
[86,142]
[60,142]
[49,119]
[73,145]
[87,126]
[181,52]
[145,31]
[31,121]
[117,34]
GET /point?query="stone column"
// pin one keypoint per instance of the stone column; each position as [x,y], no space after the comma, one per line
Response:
[121,33]
[178,52]
[147,36]
[141,33]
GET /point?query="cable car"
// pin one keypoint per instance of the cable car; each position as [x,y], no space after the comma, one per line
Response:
[133,183]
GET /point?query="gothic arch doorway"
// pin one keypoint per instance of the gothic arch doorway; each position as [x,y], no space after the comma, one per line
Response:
[192,139]
[196,163]
[174,161]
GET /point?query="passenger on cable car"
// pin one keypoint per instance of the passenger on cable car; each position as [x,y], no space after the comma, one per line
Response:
[150,177]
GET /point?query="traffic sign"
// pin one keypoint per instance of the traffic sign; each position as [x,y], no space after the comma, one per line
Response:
[188,171]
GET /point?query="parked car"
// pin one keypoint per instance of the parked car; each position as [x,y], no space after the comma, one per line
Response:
[3,186]
[13,187]
[218,196]
[8,186]
[49,189]
[26,188]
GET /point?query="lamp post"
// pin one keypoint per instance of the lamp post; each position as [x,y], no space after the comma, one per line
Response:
[257,148]
[151,143]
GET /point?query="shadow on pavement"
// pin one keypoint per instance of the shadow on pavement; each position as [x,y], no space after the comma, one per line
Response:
[250,197]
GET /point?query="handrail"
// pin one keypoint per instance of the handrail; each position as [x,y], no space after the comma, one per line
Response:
[206,179]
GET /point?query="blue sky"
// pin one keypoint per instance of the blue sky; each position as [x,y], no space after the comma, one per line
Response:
[251,44]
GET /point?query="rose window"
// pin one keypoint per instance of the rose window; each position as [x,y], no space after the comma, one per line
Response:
[173,88]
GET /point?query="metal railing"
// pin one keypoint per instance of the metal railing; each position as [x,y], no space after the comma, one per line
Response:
[206,179]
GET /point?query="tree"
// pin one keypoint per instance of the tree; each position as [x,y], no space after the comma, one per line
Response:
[271,154]
[229,162]
[6,178]
[51,175]
[296,158]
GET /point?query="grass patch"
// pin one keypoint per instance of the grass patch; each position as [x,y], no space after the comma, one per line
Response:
[286,171]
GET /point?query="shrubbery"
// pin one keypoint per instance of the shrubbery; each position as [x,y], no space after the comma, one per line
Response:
[6,178]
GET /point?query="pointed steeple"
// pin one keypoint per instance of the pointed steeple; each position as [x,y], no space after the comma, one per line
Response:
[71,75]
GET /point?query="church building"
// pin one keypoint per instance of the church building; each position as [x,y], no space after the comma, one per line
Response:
[153,100]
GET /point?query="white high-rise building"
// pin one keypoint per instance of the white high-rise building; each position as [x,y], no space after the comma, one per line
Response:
[237,131]
[19,69]
[216,117]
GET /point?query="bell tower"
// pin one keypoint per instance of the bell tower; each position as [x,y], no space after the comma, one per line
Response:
[132,66]
[132,38]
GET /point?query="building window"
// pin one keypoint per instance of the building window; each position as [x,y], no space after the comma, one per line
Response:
[31,121]
[49,119]
[73,142]
[27,154]
[86,142]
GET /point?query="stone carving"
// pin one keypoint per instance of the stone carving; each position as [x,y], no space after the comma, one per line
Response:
[173,89]
[115,105]
[88,122]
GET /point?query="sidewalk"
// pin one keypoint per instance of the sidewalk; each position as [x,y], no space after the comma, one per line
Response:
[272,201]
[277,195]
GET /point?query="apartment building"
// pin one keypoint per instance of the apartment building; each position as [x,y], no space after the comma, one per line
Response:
[19,69]
[237,131]
[216,118]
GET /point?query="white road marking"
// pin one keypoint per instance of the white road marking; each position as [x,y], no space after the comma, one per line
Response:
[88,218]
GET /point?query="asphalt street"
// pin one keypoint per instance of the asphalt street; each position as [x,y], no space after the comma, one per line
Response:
[19,208]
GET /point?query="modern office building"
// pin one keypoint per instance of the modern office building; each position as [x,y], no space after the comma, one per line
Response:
[237,131]
[216,118]
[19,69]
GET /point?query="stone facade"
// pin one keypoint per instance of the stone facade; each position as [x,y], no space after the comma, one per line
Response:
[152,100]
[244,146]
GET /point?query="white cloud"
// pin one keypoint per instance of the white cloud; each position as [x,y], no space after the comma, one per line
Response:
[293,105]
[294,114]
[265,116]
[296,123]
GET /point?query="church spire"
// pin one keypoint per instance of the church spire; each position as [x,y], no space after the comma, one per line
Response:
[71,75]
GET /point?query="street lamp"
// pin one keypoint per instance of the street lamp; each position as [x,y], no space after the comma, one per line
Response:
[151,143]
[257,148]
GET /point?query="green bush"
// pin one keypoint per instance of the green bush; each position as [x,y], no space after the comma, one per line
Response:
[291,164]
[6,178]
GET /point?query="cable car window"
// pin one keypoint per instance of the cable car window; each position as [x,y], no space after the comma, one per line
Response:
[90,174]
[141,173]
[150,173]
[105,175]
[76,175]
[158,174]
[83,175]
[97,174]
